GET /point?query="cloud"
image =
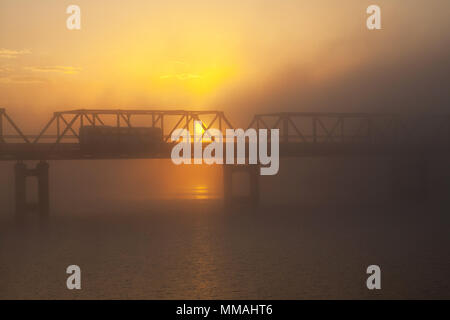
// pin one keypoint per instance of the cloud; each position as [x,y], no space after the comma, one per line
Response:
[12,54]
[54,69]
[5,70]
[21,80]
[181,76]
[10,75]
[180,70]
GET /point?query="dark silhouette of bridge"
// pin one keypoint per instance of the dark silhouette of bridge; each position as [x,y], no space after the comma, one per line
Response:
[417,138]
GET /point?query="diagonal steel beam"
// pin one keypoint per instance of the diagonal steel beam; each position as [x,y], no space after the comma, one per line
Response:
[16,127]
[70,128]
[297,130]
[175,127]
[45,129]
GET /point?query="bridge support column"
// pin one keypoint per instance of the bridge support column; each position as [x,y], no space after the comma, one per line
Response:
[42,169]
[410,180]
[423,190]
[20,172]
[252,199]
[41,172]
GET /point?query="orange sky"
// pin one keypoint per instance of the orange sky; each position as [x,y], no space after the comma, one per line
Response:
[197,54]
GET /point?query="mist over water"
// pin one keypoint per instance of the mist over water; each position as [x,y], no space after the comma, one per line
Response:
[118,185]
[137,232]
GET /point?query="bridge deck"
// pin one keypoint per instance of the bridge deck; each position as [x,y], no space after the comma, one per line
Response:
[72,151]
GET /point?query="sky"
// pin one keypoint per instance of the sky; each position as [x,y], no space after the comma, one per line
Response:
[242,57]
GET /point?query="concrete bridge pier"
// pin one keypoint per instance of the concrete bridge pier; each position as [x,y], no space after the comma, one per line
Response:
[253,195]
[423,170]
[41,172]
[20,174]
[410,180]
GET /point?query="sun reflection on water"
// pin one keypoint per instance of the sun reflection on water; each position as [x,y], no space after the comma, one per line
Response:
[196,192]
[202,192]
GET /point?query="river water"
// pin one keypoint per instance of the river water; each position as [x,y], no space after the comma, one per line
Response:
[140,234]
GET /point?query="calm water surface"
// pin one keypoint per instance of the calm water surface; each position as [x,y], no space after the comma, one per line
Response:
[184,245]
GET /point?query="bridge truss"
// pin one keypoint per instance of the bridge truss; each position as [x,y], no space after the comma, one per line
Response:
[357,128]
[64,126]
[300,133]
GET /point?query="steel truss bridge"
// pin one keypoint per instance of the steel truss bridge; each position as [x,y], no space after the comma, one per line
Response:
[301,134]
[414,137]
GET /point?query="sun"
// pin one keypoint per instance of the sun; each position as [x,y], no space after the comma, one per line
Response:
[199,130]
